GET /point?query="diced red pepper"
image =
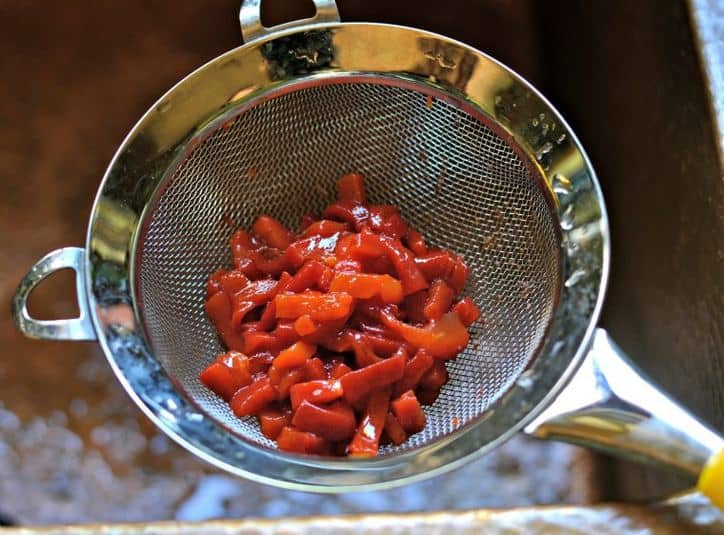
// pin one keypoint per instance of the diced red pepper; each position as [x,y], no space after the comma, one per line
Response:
[295,355]
[351,212]
[427,396]
[415,368]
[338,370]
[242,253]
[415,306]
[220,379]
[367,437]
[307,219]
[260,362]
[459,276]
[218,308]
[318,306]
[415,242]
[435,377]
[394,430]
[254,294]
[233,281]
[270,260]
[296,441]
[359,383]
[326,228]
[271,422]
[385,219]
[307,277]
[304,325]
[435,264]
[351,187]
[409,413]
[272,232]
[213,285]
[253,398]
[314,370]
[363,354]
[316,392]
[443,339]
[348,266]
[439,300]
[313,248]
[366,286]
[284,379]
[467,311]
[333,422]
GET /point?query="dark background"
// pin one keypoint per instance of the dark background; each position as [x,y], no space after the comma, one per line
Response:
[77,75]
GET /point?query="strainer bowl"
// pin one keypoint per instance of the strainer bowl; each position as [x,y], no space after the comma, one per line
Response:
[476,159]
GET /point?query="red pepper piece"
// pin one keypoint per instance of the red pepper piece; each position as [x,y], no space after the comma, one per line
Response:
[372,245]
[270,260]
[351,187]
[436,264]
[435,377]
[386,219]
[339,369]
[307,219]
[359,383]
[333,422]
[467,311]
[394,430]
[260,362]
[340,342]
[322,391]
[351,212]
[439,300]
[269,316]
[307,277]
[272,232]
[366,286]
[253,398]
[415,306]
[415,242]
[295,355]
[415,368]
[271,422]
[459,276]
[443,339]
[313,248]
[427,396]
[318,306]
[383,345]
[296,441]
[220,379]
[367,437]
[284,379]
[254,294]
[218,308]
[314,370]
[233,282]
[409,413]
[304,325]
[242,253]
[213,284]
[363,354]
[326,228]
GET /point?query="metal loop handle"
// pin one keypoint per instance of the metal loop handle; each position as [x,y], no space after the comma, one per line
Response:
[80,328]
[252,28]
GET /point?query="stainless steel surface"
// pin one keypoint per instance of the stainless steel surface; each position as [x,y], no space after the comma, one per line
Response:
[482,109]
[610,405]
[252,27]
[455,180]
[80,328]
[226,124]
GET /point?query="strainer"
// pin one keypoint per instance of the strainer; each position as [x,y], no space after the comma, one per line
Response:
[477,160]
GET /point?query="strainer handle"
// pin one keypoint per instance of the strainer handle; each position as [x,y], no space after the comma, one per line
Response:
[80,328]
[252,28]
[610,405]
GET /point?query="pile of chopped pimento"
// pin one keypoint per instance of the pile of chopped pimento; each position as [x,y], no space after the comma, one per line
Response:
[338,334]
